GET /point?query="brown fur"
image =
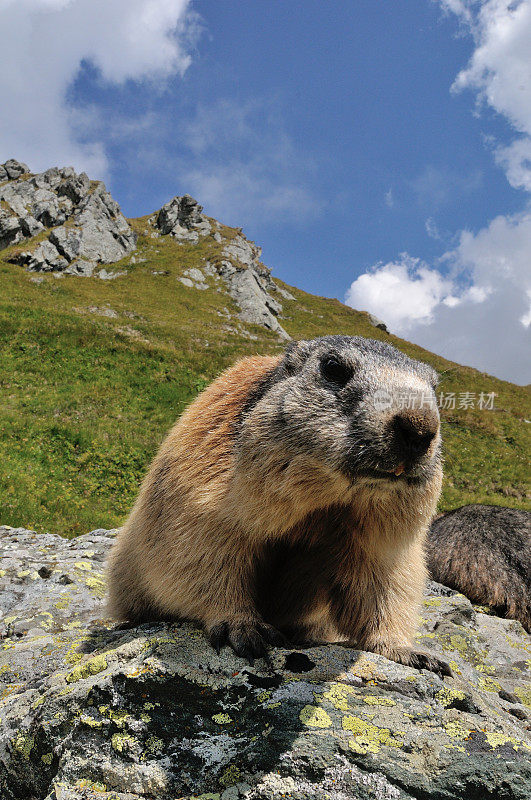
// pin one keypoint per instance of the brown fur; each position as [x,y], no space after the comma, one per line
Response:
[485,553]
[249,542]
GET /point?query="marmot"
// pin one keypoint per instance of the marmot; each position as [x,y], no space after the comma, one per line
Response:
[485,553]
[292,500]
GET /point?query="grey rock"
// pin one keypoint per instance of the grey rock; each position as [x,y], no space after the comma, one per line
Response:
[187,282]
[3,174]
[182,217]
[94,711]
[378,323]
[82,267]
[87,222]
[284,293]
[250,284]
[10,229]
[67,241]
[104,275]
[15,168]
[30,226]
[194,277]
[256,305]
[45,258]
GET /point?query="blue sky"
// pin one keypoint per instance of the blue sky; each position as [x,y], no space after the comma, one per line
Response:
[330,132]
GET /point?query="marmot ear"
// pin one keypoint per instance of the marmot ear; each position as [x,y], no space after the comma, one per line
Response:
[295,355]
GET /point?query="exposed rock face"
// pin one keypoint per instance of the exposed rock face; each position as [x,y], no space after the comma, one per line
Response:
[92,712]
[88,227]
[250,284]
[183,218]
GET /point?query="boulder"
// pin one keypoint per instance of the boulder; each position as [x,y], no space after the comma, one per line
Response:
[377,322]
[183,218]
[93,711]
[10,229]
[15,169]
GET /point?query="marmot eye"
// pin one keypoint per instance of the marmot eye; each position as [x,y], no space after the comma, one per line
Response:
[336,371]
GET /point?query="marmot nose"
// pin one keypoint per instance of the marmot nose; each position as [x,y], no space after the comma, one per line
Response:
[414,431]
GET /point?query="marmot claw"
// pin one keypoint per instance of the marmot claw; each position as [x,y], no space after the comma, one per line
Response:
[421,660]
[249,639]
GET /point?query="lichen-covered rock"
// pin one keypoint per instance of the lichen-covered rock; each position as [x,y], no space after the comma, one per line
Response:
[89,710]
[88,227]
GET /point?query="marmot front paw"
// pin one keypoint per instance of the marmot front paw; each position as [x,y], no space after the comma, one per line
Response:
[421,660]
[249,639]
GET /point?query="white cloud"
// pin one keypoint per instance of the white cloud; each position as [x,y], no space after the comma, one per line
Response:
[500,72]
[46,43]
[478,314]
[401,292]
[389,199]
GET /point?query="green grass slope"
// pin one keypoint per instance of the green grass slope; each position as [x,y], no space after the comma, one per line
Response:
[87,398]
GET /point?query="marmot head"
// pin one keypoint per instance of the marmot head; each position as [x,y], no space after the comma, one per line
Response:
[355,406]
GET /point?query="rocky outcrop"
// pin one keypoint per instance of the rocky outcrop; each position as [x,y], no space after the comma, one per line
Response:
[90,711]
[183,218]
[247,280]
[250,284]
[87,225]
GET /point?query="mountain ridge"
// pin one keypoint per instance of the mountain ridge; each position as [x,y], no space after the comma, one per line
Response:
[97,363]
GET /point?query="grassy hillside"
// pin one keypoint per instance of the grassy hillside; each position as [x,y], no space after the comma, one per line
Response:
[86,398]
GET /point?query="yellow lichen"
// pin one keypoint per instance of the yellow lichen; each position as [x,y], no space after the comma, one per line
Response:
[96,584]
[485,668]
[455,730]
[368,738]
[122,741]
[447,696]
[338,694]
[222,719]
[373,700]
[154,744]
[85,566]
[90,721]
[24,745]
[91,667]
[230,776]
[47,758]
[488,684]
[496,739]
[315,717]
[524,694]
